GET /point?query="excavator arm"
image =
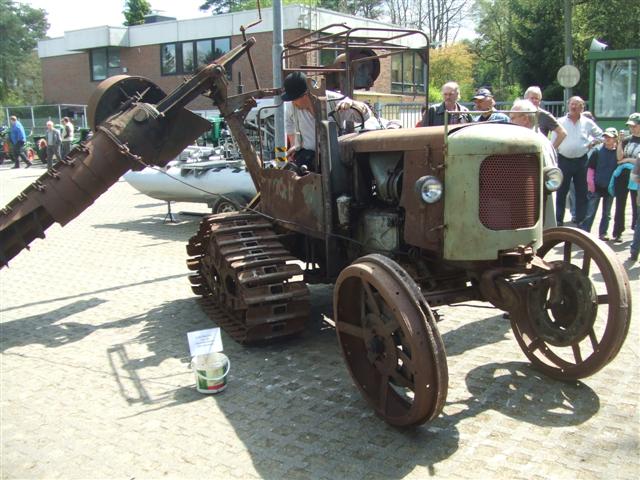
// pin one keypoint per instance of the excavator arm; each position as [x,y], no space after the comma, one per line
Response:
[130,132]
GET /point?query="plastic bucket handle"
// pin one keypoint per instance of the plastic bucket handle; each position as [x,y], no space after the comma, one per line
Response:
[212,379]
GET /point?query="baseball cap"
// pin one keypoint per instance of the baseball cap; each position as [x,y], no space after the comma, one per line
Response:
[634,119]
[482,93]
[610,132]
[295,86]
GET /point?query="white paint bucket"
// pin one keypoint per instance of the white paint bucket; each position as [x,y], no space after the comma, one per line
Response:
[211,372]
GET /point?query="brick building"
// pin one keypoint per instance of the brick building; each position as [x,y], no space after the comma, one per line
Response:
[165,51]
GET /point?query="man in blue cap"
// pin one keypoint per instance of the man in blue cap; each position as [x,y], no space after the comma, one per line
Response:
[300,120]
[484,102]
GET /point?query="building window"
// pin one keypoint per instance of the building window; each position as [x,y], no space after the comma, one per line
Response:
[188,61]
[168,59]
[204,52]
[328,57]
[185,57]
[221,46]
[407,74]
[615,88]
[105,62]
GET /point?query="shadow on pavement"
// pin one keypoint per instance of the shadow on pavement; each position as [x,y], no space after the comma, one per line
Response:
[476,334]
[154,227]
[50,329]
[96,292]
[532,397]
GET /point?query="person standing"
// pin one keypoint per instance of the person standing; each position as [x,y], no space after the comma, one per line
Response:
[53,144]
[435,114]
[546,121]
[602,164]
[483,100]
[18,139]
[582,134]
[67,136]
[627,154]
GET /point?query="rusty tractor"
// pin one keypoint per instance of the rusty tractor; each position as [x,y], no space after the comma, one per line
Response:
[401,221]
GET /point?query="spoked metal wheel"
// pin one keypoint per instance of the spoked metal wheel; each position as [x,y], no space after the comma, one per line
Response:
[575,320]
[390,341]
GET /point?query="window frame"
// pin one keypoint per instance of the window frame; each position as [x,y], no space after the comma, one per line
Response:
[110,53]
[179,54]
[411,86]
[603,93]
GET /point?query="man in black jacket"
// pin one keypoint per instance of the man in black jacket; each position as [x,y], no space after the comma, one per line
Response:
[435,113]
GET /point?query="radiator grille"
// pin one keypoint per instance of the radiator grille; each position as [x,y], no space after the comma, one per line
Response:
[509,191]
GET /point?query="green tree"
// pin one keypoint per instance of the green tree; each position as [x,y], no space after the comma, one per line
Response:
[451,63]
[615,23]
[366,8]
[226,6]
[135,10]
[495,45]
[20,28]
[538,37]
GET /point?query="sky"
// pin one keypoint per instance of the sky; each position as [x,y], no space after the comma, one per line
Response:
[65,15]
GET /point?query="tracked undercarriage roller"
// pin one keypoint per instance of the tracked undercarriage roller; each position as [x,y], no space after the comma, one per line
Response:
[243,269]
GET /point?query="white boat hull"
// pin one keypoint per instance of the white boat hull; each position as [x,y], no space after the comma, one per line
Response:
[194,182]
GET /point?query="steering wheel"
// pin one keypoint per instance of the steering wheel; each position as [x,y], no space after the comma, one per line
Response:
[341,129]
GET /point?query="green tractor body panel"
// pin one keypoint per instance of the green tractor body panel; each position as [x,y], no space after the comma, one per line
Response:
[486,191]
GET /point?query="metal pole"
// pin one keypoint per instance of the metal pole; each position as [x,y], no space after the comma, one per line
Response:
[568,45]
[278,47]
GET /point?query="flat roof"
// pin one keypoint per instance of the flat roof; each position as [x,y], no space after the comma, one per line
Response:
[224,25]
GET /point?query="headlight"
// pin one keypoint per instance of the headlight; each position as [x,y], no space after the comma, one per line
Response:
[429,188]
[552,178]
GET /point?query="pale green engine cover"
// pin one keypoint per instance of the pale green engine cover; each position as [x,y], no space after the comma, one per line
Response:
[465,237]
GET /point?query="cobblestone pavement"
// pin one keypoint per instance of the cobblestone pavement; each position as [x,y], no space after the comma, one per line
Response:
[96,382]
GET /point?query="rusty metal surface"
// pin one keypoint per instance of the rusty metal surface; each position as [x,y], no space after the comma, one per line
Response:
[242,270]
[295,199]
[395,140]
[566,326]
[423,222]
[390,341]
[116,93]
[60,194]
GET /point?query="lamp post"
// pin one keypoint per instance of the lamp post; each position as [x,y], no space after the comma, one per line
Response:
[278,46]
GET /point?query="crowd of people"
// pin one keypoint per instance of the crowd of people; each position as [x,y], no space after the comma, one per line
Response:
[54,144]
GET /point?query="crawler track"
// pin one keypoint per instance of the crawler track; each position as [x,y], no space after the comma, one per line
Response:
[242,272]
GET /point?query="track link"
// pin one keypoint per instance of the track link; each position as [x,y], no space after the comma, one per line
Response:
[246,284]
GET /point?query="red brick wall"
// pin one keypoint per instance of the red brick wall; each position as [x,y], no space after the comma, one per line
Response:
[65,79]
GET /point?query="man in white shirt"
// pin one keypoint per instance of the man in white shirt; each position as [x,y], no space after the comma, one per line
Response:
[582,134]
[67,136]
[300,121]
